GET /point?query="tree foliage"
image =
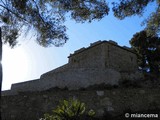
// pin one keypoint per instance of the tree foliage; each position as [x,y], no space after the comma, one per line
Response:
[127,8]
[46,18]
[148,49]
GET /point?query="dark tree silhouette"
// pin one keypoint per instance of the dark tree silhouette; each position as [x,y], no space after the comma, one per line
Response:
[148,49]
[46,17]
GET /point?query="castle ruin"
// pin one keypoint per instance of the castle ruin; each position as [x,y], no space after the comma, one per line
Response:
[103,62]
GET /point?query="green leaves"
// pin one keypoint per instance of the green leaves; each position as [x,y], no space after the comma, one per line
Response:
[70,110]
[91,113]
[10,35]
[153,22]
[148,50]
[128,8]
[47,17]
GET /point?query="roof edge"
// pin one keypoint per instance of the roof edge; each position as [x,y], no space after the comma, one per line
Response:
[98,43]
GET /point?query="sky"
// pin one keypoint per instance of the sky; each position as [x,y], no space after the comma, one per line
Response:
[29,61]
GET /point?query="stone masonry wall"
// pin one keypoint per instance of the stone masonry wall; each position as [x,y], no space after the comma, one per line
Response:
[104,54]
[75,79]
[120,59]
[84,77]
[102,62]
[72,79]
[89,58]
[117,101]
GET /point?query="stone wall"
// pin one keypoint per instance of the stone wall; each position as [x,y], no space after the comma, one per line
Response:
[105,54]
[116,101]
[94,75]
[32,85]
[72,79]
[91,57]
[120,59]
[103,62]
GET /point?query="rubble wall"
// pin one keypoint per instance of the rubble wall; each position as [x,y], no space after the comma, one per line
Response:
[116,101]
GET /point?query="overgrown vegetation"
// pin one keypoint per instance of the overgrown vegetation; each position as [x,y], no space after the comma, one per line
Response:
[147,48]
[47,17]
[71,109]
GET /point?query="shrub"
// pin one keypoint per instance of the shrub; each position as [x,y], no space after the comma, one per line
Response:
[70,110]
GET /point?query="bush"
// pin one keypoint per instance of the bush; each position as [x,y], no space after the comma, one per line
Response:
[70,110]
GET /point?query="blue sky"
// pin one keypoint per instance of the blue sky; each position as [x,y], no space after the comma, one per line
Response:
[29,60]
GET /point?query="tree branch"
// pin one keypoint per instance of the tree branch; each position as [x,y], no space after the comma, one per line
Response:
[18,16]
[3,2]
[40,14]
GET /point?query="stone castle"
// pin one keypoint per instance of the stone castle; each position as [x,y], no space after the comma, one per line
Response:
[103,62]
[84,76]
